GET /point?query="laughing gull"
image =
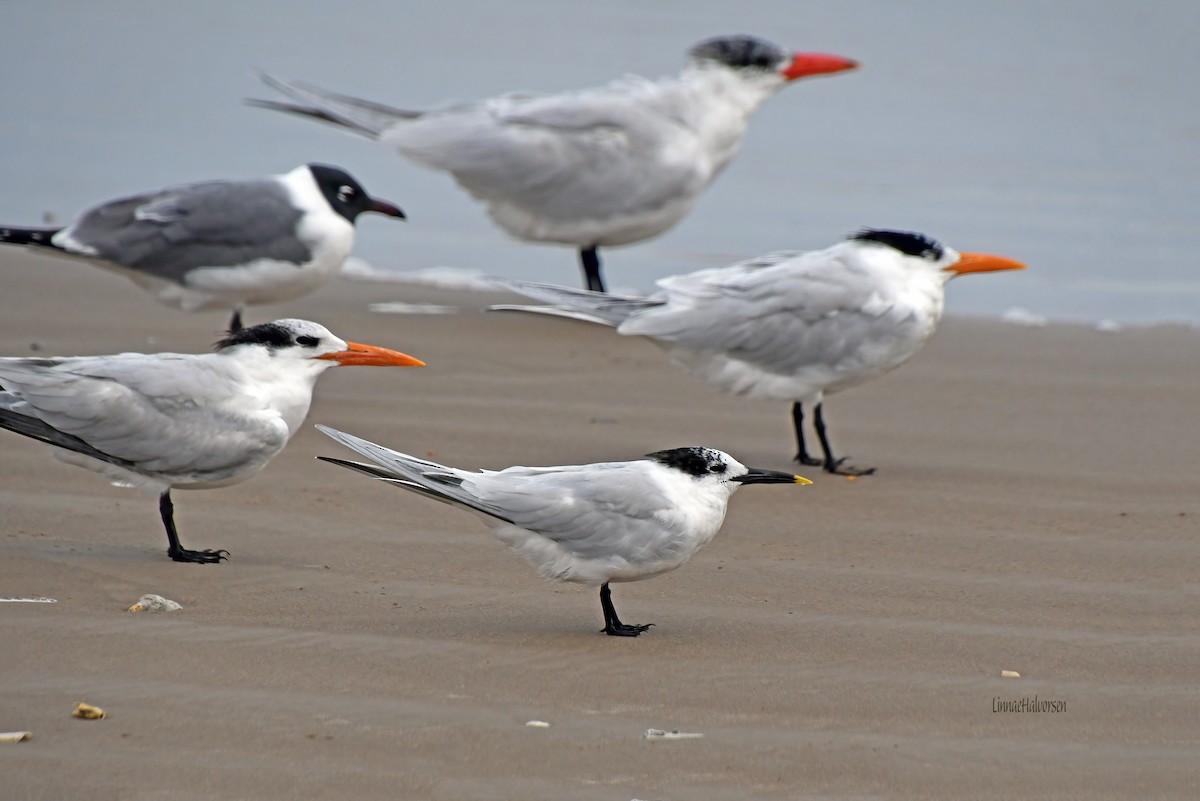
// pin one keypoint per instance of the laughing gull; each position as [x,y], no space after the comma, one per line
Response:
[789,326]
[591,523]
[593,168]
[168,421]
[221,243]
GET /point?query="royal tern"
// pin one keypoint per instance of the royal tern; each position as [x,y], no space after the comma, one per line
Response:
[790,326]
[221,243]
[591,523]
[594,168]
[168,421]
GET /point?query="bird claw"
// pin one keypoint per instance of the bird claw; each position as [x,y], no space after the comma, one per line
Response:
[806,460]
[626,629]
[208,557]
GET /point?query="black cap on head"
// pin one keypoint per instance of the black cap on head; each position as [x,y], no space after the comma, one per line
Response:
[274,335]
[346,196]
[694,461]
[910,243]
[740,52]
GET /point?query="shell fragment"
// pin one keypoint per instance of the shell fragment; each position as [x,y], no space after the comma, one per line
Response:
[88,712]
[154,603]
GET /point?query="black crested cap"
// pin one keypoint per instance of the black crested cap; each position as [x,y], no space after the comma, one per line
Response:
[694,461]
[272,335]
[741,52]
[907,242]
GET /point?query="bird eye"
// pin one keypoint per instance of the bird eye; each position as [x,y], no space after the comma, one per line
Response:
[307,341]
[716,468]
[345,192]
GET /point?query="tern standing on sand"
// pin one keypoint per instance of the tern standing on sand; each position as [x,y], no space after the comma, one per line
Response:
[594,168]
[591,523]
[790,326]
[168,421]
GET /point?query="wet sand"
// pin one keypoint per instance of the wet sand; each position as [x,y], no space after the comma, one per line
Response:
[1035,510]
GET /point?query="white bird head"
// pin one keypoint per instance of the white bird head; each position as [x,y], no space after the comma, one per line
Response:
[708,465]
[306,341]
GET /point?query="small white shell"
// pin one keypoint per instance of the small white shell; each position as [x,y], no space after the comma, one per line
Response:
[154,603]
[15,736]
[537,724]
[1009,674]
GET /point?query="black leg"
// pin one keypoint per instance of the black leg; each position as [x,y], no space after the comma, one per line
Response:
[174,549]
[235,322]
[590,260]
[801,451]
[833,465]
[613,626]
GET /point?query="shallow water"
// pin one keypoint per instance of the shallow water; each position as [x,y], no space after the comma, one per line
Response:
[1066,135]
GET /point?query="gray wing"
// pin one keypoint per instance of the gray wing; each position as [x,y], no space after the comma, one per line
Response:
[589,155]
[164,413]
[584,155]
[170,232]
[578,304]
[782,312]
[37,429]
[592,510]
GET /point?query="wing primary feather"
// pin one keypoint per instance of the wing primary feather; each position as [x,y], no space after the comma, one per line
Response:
[368,469]
[43,432]
[411,473]
[381,473]
[550,311]
[392,461]
[579,304]
[297,109]
[362,116]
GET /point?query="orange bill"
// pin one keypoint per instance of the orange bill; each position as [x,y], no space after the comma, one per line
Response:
[983,263]
[357,355]
[805,64]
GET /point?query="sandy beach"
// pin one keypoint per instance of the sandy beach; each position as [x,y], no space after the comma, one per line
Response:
[1035,510]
